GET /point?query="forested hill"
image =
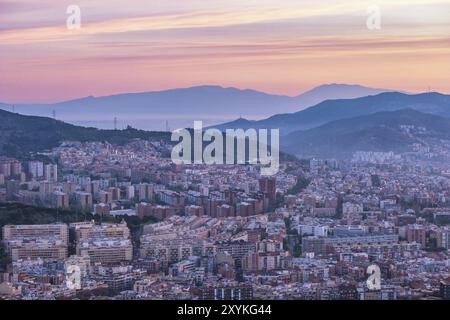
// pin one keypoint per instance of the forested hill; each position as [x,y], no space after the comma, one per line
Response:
[21,134]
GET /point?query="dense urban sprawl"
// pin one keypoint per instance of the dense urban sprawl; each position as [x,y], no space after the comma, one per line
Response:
[225,231]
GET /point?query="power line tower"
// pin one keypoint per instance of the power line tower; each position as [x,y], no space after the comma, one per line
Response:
[167,126]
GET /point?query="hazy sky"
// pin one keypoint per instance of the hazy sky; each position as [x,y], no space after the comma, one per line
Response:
[277,46]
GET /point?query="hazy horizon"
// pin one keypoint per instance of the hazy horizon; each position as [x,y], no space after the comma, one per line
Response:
[278,47]
[220,86]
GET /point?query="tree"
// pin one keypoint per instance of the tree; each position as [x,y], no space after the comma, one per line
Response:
[301,184]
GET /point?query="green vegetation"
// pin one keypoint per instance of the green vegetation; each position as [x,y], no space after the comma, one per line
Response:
[287,223]
[4,258]
[292,242]
[16,213]
[339,212]
[22,135]
[297,250]
[89,294]
[301,184]
[375,179]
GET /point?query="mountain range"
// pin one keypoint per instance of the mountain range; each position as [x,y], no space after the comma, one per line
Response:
[389,121]
[212,104]
[384,131]
[331,110]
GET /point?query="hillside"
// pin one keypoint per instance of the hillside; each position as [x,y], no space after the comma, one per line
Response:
[383,131]
[24,134]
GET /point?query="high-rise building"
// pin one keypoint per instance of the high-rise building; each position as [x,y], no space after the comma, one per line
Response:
[225,211]
[58,231]
[51,172]
[47,242]
[12,189]
[10,167]
[105,197]
[15,167]
[102,209]
[115,193]
[145,192]
[416,233]
[60,200]
[244,209]
[45,249]
[36,169]
[85,231]
[92,187]
[130,192]
[171,198]
[46,188]
[211,208]
[106,251]
[193,210]
[159,212]
[268,186]
[106,243]
[84,200]
[69,187]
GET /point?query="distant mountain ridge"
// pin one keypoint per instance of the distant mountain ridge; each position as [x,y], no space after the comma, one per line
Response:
[195,103]
[335,91]
[331,110]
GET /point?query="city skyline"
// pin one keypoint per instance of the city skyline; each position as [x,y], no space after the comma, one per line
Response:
[249,151]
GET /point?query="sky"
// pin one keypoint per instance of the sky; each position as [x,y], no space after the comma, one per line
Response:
[275,46]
